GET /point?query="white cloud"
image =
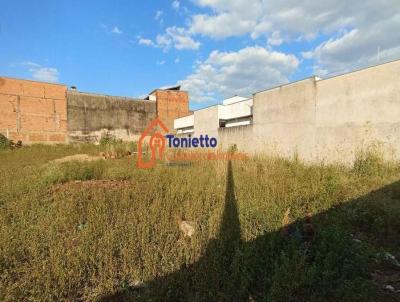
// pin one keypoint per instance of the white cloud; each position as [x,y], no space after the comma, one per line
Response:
[307,54]
[176,5]
[40,73]
[159,16]
[116,30]
[275,39]
[181,38]
[46,74]
[243,72]
[221,26]
[163,41]
[358,48]
[30,64]
[356,29]
[161,62]
[146,42]
[174,36]
[230,18]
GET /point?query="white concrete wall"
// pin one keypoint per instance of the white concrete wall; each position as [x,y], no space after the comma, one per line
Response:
[326,120]
[284,119]
[236,110]
[358,110]
[184,122]
[241,136]
[238,123]
[233,100]
[206,121]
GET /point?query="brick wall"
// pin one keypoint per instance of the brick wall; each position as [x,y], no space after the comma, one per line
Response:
[36,112]
[171,104]
[33,111]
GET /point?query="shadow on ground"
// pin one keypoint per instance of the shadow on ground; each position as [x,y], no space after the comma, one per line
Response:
[297,263]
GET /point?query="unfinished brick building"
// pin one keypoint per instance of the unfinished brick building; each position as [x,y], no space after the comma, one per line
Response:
[38,112]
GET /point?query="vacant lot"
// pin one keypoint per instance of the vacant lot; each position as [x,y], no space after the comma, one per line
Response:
[265,229]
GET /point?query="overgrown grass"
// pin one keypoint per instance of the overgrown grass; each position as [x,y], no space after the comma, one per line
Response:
[66,236]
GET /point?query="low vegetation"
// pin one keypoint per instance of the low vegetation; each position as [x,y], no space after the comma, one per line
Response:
[266,229]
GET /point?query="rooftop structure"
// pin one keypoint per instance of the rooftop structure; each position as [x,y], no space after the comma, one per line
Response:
[234,111]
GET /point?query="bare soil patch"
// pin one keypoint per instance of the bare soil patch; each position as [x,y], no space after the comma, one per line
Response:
[77,157]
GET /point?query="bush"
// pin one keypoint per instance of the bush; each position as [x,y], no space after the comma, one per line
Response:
[369,164]
[333,266]
[4,142]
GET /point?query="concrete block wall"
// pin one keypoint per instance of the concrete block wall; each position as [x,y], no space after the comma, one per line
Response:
[206,121]
[91,116]
[357,111]
[284,119]
[241,136]
[327,120]
[33,111]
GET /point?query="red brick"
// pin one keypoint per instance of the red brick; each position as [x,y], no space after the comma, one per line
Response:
[32,89]
[8,121]
[171,104]
[57,92]
[37,123]
[8,103]
[10,86]
[37,137]
[57,137]
[63,126]
[36,106]
[61,108]
[15,136]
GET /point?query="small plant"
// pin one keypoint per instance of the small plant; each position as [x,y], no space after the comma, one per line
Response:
[106,140]
[369,163]
[4,142]
[232,149]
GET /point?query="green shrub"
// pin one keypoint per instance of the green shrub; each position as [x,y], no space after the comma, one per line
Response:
[368,164]
[74,170]
[4,142]
[106,140]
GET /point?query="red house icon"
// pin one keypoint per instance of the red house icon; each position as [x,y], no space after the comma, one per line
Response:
[157,144]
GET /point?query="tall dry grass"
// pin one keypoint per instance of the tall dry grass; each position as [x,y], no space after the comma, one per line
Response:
[85,231]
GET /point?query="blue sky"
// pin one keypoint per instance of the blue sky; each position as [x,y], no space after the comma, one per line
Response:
[213,48]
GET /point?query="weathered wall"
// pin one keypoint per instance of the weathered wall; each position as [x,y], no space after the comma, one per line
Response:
[284,119]
[241,136]
[358,110]
[33,111]
[171,104]
[91,116]
[326,120]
